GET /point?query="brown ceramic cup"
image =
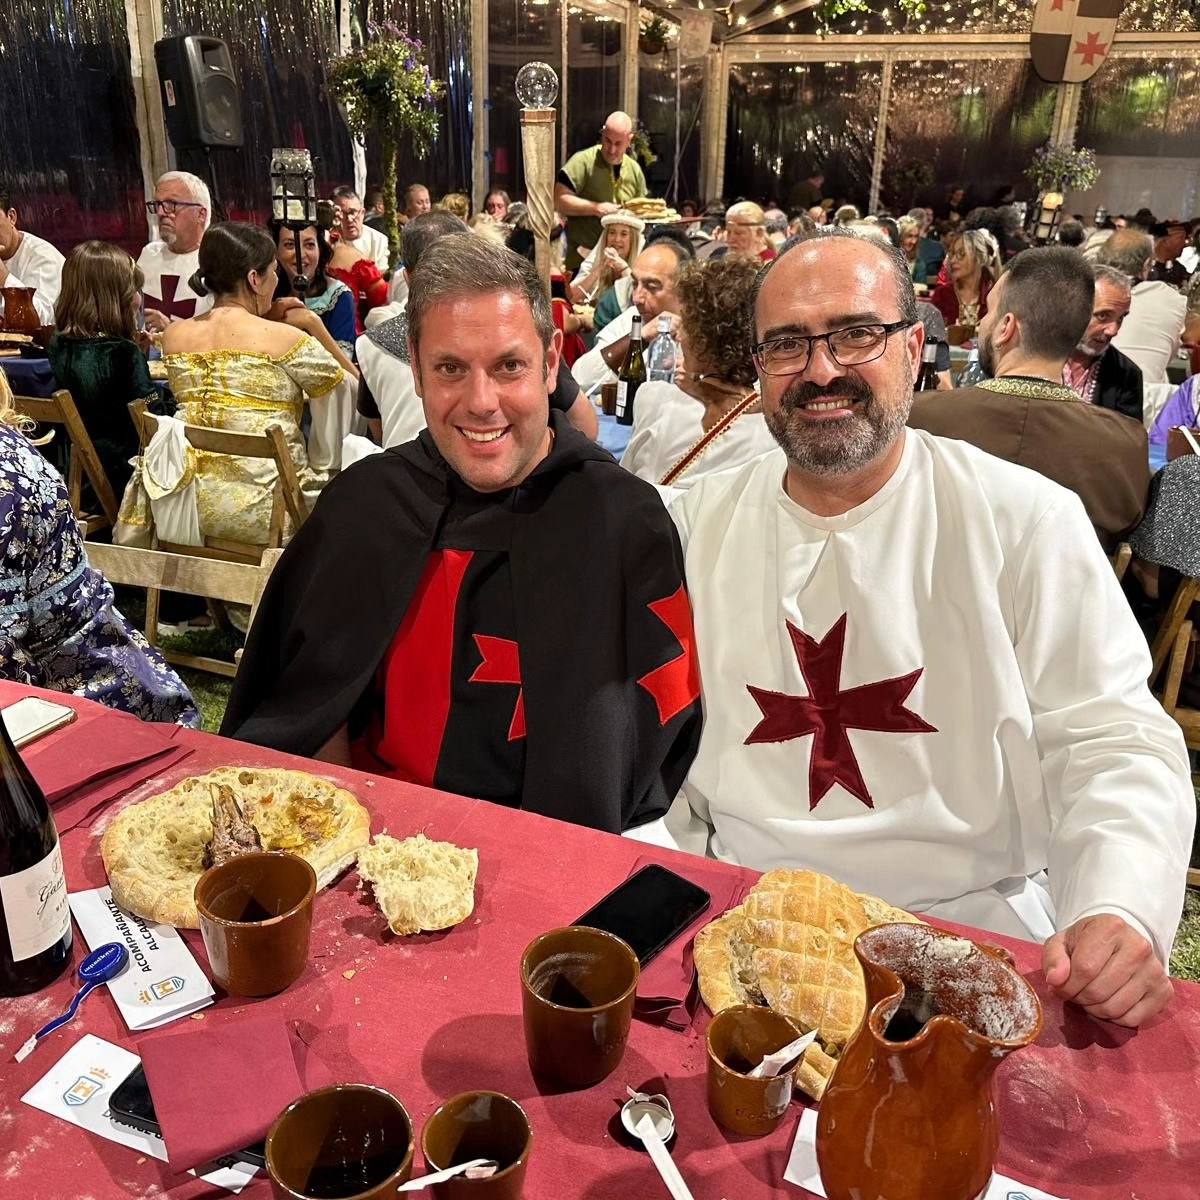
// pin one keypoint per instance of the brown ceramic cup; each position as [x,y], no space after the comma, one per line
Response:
[479,1125]
[255,918]
[578,986]
[608,399]
[739,1038]
[346,1142]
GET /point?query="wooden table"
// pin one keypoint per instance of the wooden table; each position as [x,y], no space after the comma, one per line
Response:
[1092,1112]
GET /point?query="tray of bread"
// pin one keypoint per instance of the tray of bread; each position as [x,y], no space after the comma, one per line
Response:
[789,946]
[652,211]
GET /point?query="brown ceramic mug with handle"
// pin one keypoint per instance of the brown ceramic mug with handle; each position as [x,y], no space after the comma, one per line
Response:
[739,1038]
[578,987]
[255,918]
[479,1125]
[346,1142]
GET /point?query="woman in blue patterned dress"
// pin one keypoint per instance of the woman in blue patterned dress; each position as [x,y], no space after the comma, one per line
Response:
[58,626]
[329,298]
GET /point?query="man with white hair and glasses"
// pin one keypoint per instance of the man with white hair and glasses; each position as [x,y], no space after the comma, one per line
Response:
[919,673]
[181,210]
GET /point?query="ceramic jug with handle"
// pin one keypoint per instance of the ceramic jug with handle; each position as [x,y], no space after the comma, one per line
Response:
[908,1114]
[19,312]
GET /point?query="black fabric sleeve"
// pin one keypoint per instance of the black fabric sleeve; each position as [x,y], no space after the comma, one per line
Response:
[566,390]
[367,406]
[565,179]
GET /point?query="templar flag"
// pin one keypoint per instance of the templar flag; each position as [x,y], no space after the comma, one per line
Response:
[1071,38]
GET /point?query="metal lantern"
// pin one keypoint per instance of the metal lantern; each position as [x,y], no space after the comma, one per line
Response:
[1047,219]
[294,200]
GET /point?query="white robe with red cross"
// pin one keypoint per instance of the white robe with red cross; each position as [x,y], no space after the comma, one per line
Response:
[938,697]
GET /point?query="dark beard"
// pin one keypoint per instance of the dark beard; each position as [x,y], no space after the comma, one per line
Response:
[987,358]
[841,446]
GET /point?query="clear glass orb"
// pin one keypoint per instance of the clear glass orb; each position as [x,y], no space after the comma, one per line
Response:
[537,85]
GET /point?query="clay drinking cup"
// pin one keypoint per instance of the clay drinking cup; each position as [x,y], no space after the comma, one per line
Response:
[478,1125]
[578,987]
[739,1038]
[346,1142]
[255,917]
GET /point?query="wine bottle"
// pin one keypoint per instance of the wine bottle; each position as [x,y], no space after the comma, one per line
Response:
[35,920]
[632,374]
[927,381]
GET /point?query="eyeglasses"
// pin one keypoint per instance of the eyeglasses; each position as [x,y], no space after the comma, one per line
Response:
[168,208]
[790,354]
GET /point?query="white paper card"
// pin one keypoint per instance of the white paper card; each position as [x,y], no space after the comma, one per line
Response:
[162,981]
[78,1088]
[802,1168]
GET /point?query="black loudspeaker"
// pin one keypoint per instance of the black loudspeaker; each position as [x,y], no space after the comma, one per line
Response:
[202,103]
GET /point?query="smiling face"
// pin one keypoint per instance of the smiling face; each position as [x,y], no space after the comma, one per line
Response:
[832,419]
[620,239]
[484,381]
[285,252]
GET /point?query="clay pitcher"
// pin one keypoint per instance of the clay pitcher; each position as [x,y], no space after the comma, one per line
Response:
[19,312]
[908,1114]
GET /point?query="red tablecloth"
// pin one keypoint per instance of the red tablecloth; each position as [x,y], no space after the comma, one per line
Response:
[1092,1112]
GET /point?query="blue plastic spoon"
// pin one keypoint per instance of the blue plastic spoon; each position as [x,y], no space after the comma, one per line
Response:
[104,963]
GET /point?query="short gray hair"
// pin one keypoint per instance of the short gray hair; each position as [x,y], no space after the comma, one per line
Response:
[1129,250]
[196,188]
[1110,275]
[472,266]
[901,271]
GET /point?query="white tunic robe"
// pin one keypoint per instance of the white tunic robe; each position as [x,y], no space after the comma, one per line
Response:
[37,264]
[965,627]
[167,286]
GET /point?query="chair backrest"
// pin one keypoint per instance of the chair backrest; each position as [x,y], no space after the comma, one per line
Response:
[270,444]
[232,582]
[59,409]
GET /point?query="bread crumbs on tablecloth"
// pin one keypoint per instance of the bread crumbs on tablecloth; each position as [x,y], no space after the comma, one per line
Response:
[349,974]
[197,1016]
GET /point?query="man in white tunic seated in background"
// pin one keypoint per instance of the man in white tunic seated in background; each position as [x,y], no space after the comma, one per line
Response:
[920,675]
[27,261]
[710,417]
[182,212]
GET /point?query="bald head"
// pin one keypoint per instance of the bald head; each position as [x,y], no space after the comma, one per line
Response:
[616,137]
[1129,250]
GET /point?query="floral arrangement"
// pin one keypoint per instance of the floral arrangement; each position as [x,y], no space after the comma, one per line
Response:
[828,11]
[386,91]
[640,147]
[1062,168]
[654,33]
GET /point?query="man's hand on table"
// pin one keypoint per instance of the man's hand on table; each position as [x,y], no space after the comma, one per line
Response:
[1108,969]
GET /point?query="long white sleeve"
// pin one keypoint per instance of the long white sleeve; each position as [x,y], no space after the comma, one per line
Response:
[1115,766]
[590,369]
[37,264]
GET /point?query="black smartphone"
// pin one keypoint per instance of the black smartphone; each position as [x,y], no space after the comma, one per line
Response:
[649,910]
[132,1105]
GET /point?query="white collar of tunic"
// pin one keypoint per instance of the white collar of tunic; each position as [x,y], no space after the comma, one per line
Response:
[858,514]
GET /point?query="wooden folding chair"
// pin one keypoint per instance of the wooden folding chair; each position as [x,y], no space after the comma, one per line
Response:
[1188,719]
[82,461]
[1122,556]
[157,570]
[287,503]
[1186,595]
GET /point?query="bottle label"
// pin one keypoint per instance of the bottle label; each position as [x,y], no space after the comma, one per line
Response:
[622,396]
[35,906]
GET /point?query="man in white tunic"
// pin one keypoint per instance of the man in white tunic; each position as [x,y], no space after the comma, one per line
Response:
[182,209]
[919,673]
[28,261]
[367,241]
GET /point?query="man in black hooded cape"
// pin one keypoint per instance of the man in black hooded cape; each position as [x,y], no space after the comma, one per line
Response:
[599,694]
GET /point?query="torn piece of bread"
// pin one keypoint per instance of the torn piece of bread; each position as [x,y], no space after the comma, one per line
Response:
[419,884]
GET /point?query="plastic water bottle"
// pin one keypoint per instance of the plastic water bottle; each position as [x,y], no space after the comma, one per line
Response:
[660,362]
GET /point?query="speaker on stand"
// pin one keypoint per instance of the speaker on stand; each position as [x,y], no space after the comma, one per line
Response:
[201,100]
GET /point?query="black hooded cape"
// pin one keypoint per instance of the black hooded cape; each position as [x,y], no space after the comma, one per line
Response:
[608,668]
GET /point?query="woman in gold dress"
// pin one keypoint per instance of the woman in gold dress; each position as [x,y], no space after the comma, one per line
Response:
[243,366]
